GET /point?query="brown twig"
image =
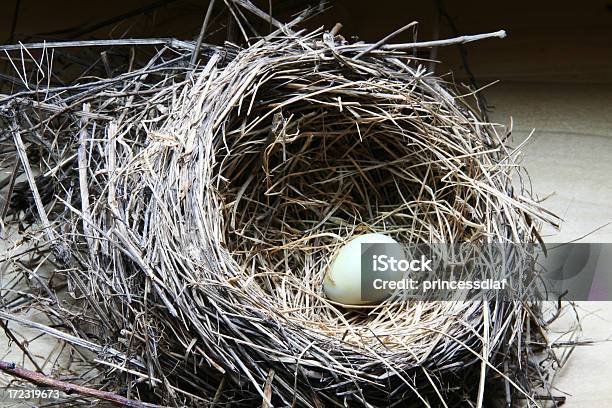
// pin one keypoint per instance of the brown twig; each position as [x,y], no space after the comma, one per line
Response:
[44,381]
[335,29]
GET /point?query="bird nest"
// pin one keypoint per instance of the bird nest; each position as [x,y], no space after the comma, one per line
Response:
[194,213]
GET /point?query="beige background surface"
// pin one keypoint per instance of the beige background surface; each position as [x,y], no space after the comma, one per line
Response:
[570,159]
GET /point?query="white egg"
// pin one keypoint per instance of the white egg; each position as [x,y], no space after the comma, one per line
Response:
[342,282]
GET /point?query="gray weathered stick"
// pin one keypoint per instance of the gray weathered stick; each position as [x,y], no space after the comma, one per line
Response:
[436,43]
[83,185]
[384,40]
[23,156]
[259,13]
[172,42]
[196,50]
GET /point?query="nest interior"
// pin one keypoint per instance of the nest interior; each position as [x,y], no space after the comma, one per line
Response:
[211,200]
[317,152]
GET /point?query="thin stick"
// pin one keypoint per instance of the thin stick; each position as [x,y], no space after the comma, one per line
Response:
[219,391]
[259,13]
[196,50]
[336,29]
[83,185]
[268,390]
[270,12]
[68,388]
[69,338]
[425,44]
[172,42]
[23,156]
[384,40]
[9,191]
[21,345]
